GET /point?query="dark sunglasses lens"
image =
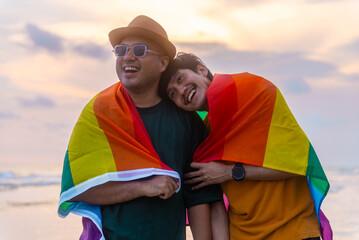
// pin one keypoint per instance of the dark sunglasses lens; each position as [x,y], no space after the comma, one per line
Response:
[120,50]
[139,50]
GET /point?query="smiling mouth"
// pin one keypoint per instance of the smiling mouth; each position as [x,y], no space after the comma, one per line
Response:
[190,95]
[130,69]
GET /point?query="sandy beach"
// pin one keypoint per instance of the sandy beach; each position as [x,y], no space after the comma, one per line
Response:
[29,211]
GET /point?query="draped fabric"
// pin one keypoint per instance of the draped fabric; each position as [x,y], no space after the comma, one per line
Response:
[251,123]
[108,143]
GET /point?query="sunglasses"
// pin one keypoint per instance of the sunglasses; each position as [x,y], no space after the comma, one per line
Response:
[139,50]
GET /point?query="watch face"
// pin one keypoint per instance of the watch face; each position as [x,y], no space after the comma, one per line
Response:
[238,172]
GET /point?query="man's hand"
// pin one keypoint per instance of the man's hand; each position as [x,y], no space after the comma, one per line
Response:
[162,186]
[209,173]
[218,172]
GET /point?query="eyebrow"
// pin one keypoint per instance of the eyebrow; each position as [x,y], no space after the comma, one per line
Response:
[175,75]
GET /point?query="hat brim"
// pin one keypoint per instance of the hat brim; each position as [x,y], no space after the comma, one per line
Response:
[118,34]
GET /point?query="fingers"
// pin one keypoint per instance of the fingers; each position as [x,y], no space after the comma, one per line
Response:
[169,190]
[161,185]
[166,195]
[201,185]
[193,180]
[196,173]
[173,186]
[196,165]
[200,180]
[167,187]
[193,174]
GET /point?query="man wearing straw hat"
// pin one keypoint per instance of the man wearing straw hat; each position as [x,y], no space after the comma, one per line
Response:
[129,150]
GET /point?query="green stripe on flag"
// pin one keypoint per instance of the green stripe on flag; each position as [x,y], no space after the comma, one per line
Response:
[316,172]
[67,181]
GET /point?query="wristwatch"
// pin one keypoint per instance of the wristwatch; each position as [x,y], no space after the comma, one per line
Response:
[238,172]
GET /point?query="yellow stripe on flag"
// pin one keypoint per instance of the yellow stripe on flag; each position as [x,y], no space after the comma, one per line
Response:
[287,146]
[89,151]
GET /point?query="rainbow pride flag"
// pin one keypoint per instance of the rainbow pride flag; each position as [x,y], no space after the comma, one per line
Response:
[109,143]
[251,123]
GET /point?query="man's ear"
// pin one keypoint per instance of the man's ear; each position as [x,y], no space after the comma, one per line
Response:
[164,63]
[203,70]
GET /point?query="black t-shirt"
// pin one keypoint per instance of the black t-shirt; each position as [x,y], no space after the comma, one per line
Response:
[175,134]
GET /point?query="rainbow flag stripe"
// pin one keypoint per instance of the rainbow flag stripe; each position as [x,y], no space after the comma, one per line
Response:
[108,143]
[251,123]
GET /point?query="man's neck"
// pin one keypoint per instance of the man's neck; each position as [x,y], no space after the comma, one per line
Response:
[146,99]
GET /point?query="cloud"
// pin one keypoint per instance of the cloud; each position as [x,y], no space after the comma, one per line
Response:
[38,101]
[44,39]
[200,47]
[297,64]
[55,43]
[291,68]
[352,77]
[92,50]
[6,85]
[317,120]
[8,115]
[292,64]
[243,2]
[352,47]
[297,85]
[322,1]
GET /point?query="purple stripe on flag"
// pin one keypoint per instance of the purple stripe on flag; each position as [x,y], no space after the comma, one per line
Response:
[327,233]
[90,231]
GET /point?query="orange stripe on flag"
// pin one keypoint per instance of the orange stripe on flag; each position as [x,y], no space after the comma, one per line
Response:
[247,137]
[127,151]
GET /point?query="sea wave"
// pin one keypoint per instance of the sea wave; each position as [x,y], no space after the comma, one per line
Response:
[12,180]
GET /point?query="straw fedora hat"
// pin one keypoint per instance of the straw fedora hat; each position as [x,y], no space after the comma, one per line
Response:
[146,27]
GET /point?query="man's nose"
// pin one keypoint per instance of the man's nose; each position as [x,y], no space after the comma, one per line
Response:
[181,89]
[129,55]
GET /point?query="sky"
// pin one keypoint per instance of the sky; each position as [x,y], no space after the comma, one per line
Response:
[55,56]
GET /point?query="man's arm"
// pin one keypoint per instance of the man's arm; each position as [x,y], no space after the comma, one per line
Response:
[199,218]
[219,220]
[117,192]
[218,172]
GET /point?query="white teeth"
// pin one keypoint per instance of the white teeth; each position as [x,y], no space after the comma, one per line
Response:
[190,95]
[130,69]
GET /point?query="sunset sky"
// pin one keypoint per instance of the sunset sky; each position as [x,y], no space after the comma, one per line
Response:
[55,56]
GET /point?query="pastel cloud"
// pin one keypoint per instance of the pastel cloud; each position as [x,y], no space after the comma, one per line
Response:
[8,115]
[55,43]
[243,2]
[44,39]
[38,101]
[92,50]
[352,48]
[291,68]
[296,85]
[352,77]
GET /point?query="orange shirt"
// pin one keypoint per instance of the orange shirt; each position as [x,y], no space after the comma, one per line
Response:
[271,210]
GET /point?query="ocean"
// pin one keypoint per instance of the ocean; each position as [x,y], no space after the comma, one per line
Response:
[29,199]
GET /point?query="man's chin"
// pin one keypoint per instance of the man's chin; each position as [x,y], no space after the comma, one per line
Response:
[190,108]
